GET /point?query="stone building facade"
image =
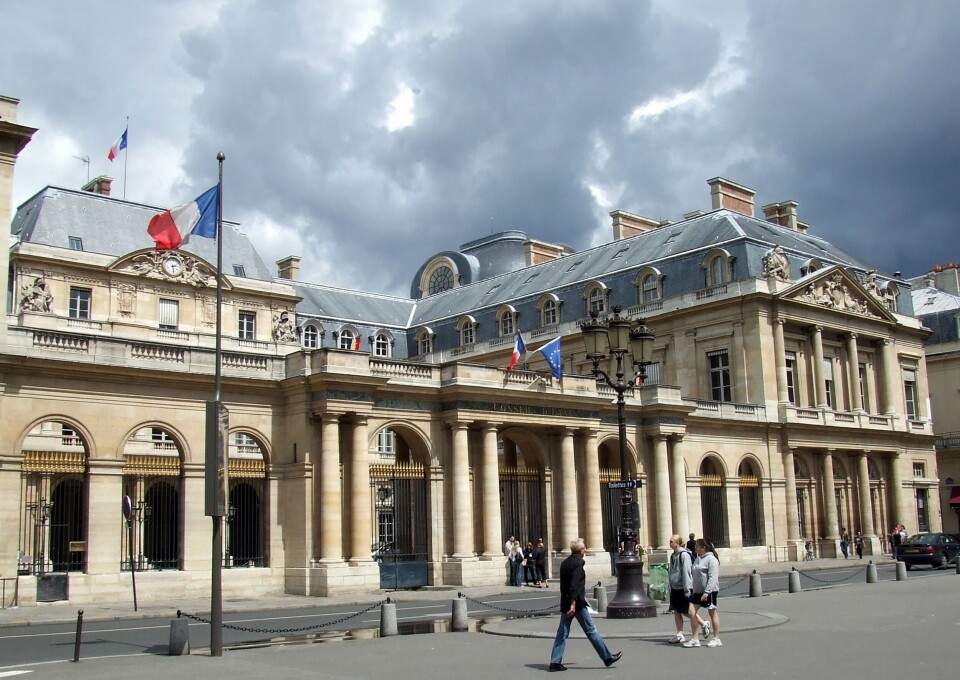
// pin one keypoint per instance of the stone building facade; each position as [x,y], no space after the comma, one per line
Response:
[377,440]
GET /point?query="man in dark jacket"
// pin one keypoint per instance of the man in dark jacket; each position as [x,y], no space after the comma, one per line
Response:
[573,604]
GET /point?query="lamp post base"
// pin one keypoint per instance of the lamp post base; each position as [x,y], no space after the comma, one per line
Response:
[630,601]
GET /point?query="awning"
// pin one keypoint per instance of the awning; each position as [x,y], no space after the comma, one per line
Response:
[955,497]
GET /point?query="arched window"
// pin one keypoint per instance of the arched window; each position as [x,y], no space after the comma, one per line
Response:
[649,285]
[467,326]
[424,340]
[507,320]
[310,336]
[246,542]
[549,307]
[713,508]
[810,266]
[348,338]
[596,297]
[751,507]
[439,276]
[382,345]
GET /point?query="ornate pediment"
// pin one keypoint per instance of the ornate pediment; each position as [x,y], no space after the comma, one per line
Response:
[169,265]
[836,289]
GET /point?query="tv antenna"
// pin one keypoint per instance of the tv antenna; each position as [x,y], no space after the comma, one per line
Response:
[86,161]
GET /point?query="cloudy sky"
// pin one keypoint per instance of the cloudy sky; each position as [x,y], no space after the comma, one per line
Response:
[366,135]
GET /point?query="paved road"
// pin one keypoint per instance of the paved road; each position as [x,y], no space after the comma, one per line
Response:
[888,629]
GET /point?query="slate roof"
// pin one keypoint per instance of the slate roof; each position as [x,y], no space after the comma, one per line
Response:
[111,226]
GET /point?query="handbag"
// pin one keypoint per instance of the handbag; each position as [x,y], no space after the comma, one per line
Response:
[523,563]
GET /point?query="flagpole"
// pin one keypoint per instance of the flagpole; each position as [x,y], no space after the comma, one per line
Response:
[216,583]
[126,155]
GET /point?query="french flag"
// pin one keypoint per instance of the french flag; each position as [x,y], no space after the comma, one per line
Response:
[118,146]
[518,349]
[173,228]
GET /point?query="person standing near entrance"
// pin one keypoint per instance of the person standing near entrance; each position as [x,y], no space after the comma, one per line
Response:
[692,544]
[573,604]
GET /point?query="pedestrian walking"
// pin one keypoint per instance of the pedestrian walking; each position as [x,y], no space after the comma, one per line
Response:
[692,543]
[706,587]
[895,540]
[681,586]
[858,545]
[844,543]
[573,605]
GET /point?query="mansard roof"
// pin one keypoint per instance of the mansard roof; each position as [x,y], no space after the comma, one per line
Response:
[112,226]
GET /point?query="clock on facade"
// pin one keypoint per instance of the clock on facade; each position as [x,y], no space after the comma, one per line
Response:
[440,280]
[172,266]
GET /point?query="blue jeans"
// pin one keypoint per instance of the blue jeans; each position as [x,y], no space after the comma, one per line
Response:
[563,632]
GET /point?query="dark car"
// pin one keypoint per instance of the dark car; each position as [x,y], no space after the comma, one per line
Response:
[935,550]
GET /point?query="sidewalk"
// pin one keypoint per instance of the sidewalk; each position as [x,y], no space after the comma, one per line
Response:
[66,612]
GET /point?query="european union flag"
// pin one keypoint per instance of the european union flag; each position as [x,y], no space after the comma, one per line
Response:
[551,352]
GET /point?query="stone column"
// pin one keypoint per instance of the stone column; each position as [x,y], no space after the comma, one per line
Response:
[790,492]
[592,510]
[819,384]
[780,350]
[897,515]
[361,527]
[853,360]
[863,479]
[105,487]
[569,520]
[662,491]
[678,492]
[830,531]
[462,505]
[329,503]
[891,374]
[491,493]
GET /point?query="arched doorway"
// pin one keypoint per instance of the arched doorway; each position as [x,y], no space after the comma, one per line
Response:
[245,544]
[53,517]
[751,505]
[713,509]
[611,499]
[522,498]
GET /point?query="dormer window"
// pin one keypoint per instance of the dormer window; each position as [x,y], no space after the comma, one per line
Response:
[649,285]
[718,267]
[439,276]
[507,320]
[76,243]
[467,327]
[238,270]
[596,297]
[549,307]
[424,340]
[310,337]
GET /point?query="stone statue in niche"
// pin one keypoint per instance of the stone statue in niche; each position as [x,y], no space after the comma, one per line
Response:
[36,296]
[776,265]
[283,328]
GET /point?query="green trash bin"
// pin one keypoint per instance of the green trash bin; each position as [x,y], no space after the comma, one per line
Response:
[659,582]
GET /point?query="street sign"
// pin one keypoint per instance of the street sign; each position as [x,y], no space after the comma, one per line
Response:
[127,507]
[626,484]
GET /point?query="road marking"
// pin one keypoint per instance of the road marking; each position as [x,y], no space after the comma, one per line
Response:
[10,674]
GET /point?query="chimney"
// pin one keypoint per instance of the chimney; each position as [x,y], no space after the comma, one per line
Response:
[732,196]
[98,185]
[289,268]
[536,252]
[783,214]
[693,213]
[627,224]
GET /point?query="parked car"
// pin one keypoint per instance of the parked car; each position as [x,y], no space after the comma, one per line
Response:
[935,550]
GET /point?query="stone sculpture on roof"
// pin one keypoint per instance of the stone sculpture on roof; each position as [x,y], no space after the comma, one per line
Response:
[776,265]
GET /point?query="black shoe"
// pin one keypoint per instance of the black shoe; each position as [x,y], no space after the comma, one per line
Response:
[559,667]
[614,658]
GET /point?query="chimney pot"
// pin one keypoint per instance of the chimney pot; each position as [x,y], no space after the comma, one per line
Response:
[98,185]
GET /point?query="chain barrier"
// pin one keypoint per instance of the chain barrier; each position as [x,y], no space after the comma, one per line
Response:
[551,608]
[735,583]
[284,631]
[836,580]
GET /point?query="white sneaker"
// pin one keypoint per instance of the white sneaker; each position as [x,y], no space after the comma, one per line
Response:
[715,642]
[691,643]
[705,629]
[677,639]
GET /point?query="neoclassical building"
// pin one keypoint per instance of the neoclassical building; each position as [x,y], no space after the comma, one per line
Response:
[379,441]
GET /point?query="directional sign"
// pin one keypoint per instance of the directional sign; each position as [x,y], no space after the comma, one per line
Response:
[626,484]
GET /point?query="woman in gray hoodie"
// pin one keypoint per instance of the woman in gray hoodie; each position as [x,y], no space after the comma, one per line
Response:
[706,587]
[681,587]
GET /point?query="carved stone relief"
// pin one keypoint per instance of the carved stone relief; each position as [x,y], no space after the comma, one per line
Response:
[172,266]
[127,300]
[283,327]
[833,293]
[776,265]
[36,296]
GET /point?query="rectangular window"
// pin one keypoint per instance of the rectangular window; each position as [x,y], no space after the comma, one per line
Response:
[791,361]
[80,303]
[910,393]
[919,470]
[828,383]
[652,372]
[238,270]
[862,377]
[467,335]
[550,313]
[76,243]
[922,522]
[720,389]
[169,314]
[385,441]
[247,325]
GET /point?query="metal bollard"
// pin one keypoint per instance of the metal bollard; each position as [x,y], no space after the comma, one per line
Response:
[600,595]
[756,588]
[179,637]
[901,571]
[458,615]
[388,618]
[76,643]
[793,581]
[958,564]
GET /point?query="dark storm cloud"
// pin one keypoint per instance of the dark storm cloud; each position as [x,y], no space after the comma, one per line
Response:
[539,116]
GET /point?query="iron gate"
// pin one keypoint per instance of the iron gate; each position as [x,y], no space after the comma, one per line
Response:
[713,512]
[400,541]
[521,502]
[52,523]
[751,511]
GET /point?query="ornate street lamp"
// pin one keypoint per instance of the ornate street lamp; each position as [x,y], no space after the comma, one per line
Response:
[617,337]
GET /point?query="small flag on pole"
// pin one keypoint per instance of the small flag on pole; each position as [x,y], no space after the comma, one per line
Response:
[118,146]
[519,349]
[551,352]
[173,228]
